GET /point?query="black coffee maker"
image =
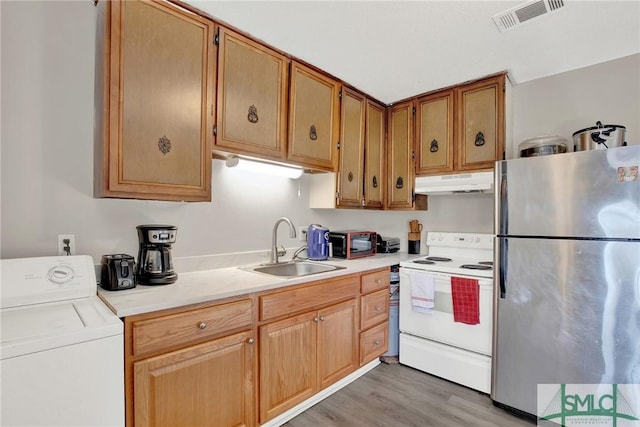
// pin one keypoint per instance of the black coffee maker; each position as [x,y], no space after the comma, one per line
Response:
[155,266]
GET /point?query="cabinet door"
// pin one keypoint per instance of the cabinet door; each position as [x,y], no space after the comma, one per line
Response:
[400,168]
[434,133]
[209,384]
[155,133]
[252,94]
[337,342]
[287,364]
[374,170]
[352,139]
[481,124]
[313,118]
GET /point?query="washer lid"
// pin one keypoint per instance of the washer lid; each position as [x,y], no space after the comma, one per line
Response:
[46,279]
[41,327]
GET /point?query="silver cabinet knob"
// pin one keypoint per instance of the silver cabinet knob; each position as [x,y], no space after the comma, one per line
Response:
[250,341]
[322,318]
[202,325]
[378,308]
[378,281]
[315,319]
[377,342]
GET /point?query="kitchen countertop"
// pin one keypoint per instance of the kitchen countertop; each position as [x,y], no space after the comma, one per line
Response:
[210,285]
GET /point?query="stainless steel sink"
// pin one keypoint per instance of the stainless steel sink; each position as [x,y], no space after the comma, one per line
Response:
[293,268]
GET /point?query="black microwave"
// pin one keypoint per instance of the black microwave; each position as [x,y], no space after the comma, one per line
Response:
[352,244]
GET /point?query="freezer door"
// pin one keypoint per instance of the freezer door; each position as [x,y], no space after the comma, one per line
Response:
[584,194]
[567,312]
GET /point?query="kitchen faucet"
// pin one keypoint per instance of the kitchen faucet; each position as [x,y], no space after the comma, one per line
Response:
[275,252]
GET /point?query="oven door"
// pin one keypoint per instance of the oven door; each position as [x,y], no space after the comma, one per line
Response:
[439,325]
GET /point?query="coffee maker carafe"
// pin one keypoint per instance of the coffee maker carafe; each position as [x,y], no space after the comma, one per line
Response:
[155,266]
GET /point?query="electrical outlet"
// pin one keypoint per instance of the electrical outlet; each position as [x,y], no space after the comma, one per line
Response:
[66,244]
[302,234]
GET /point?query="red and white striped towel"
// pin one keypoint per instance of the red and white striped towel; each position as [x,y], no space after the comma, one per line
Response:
[422,291]
[466,295]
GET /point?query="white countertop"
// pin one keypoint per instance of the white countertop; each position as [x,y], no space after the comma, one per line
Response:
[210,285]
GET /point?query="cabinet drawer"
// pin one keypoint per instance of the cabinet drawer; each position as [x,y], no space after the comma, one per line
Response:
[373,343]
[374,308]
[308,297]
[375,281]
[182,328]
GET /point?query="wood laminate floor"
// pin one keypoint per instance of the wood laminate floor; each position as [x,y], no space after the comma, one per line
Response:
[398,396]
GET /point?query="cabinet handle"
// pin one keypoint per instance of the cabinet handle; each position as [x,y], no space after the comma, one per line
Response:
[164,144]
[378,281]
[253,114]
[315,319]
[250,341]
[350,176]
[399,183]
[375,182]
[378,308]
[322,318]
[479,142]
[377,342]
[313,133]
[202,325]
[434,146]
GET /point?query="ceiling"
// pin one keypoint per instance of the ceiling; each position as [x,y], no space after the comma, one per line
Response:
[393,50]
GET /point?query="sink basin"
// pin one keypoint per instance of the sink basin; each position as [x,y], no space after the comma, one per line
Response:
[294,268]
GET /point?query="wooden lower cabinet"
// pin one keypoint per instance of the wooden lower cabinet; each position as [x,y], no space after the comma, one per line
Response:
[209,384]
[303,354]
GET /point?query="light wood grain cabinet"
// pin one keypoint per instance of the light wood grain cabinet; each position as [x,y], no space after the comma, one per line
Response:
[155,96]
[400,162]
[204,385]
[314,107]
[252,98]
[374,315]
[315,345]
[192,367]
[462,128]
[374,155]
[352,141]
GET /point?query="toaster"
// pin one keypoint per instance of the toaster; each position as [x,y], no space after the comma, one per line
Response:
[117,272]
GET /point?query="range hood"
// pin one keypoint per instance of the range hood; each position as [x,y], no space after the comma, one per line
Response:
[476,182]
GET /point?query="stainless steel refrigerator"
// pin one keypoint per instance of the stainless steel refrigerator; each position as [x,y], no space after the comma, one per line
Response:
[567,280]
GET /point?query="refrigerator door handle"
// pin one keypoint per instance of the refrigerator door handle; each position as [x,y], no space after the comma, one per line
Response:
[502,268]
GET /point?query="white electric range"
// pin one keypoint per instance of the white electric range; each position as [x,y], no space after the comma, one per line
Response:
[433,342]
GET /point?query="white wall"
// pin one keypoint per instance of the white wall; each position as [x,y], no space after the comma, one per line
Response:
[568,102]
[47,73]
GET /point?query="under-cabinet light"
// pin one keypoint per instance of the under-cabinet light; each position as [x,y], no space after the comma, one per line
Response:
[263,167]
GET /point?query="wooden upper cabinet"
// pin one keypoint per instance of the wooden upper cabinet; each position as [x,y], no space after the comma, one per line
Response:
[155,75]
[461,129]
[374,156]
[481,123]
[252,97]
[313,118]
[400,164]
[435,132]
[352,140]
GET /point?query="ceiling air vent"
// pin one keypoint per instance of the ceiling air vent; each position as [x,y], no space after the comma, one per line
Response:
[517,15]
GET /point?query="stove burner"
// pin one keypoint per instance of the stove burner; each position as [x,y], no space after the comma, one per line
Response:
[486,263]
[476,267]
[423,261]
[438,258]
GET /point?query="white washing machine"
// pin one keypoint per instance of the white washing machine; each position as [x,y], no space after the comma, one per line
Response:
[62,359]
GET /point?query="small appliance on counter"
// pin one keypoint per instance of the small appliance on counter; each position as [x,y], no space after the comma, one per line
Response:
[387,245]
[117,272]
[155,265]
[317,242]
[352,244]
